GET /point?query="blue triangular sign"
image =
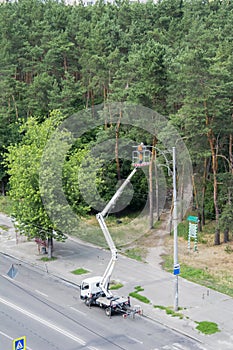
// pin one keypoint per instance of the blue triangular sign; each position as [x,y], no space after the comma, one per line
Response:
[19,346]
[12,272]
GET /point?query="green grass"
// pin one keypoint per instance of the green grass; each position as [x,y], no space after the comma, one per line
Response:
[222,284]
[5,205]
[4,228]
[157,224]
[207,327]
[48,259]
[139,289]
[134,253]
[80,271]
[228,249]
[115,285]
[183,229]
[138,296]
[130,230]
[169,311]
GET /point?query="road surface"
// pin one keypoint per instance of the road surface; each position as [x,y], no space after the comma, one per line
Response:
[51,315]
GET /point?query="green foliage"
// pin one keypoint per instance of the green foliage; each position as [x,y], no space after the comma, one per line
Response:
[5,205]
[46,259]
[138,296]
[115,285]
[4,228]
[172,56]
[134,253]
[169,311]
[207,327]
[228,249]
[80,271]
[35,183]
[183,229]
[139,289]
[226,217]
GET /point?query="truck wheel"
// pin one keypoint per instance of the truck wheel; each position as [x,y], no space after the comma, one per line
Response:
[108,311]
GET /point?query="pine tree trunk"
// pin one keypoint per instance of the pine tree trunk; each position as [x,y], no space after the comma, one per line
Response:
[217,237]
[213,148]
[117,147]
[65,64]
[226,235]
[202,209]
[230,153]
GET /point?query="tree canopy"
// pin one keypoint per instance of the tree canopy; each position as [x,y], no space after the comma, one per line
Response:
[174,57]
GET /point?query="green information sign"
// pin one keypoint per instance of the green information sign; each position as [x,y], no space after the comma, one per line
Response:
[193,219]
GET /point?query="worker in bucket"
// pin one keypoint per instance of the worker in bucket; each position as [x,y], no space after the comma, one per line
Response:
[140,152]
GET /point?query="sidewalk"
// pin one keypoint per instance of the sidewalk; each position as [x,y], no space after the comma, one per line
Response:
[198,303]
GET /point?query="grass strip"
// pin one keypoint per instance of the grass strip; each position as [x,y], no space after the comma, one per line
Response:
[169,311]
[139,297]
[115,285]
[80,271]
[202,277]
[207,327]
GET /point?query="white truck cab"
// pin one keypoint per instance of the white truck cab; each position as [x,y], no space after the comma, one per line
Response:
[90,286]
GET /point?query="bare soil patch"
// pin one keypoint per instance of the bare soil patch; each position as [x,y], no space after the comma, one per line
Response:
[216,261]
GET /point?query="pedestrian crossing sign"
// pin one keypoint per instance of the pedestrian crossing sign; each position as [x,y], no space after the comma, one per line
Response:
[19,343]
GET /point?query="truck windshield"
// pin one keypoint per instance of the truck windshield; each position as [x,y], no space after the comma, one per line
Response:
[85,286]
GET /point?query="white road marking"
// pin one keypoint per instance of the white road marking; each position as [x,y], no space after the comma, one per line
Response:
[136,340]
[203,348]
[92,348]
[41,293]
[177,346]
[44,322]
[5,335]
[80,312]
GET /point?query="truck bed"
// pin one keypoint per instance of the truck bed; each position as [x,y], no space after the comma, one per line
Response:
[112,301]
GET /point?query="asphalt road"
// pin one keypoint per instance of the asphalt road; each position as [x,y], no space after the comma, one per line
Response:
[51,316]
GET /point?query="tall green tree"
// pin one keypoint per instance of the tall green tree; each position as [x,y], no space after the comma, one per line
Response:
[28,168]
[206,99]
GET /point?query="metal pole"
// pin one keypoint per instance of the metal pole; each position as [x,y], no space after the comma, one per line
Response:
[175,228]
[151,219]
[156,187]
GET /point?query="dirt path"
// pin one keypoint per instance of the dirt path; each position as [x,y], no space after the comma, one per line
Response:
[155,242]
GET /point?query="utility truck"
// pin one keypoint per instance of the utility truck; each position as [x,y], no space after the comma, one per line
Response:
[95,290]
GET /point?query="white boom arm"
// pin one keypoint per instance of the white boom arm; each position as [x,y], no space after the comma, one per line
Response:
[100,217]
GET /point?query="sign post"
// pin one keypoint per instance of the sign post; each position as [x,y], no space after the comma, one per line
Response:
[19,343]
[176,270]
[175,223]
[193,221]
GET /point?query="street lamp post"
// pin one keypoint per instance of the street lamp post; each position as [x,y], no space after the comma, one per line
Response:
[175,260]
[175,218]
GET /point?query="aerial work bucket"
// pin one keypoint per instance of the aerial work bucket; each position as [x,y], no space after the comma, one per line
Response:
[141,155]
